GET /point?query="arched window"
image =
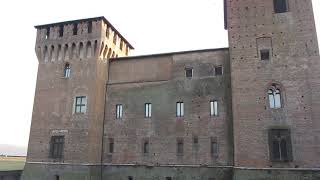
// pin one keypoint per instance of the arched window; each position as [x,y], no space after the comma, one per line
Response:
[67,70]
[274,98]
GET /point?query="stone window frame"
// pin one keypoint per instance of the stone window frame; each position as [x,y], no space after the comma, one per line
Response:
[145,146]
[214,147]
[111,145]
[67,70]
[119,111]
[188,72]
[214,110]
[180,109]
[180,146]
[275,89]
[215,69]
[57,147]
[82,104]
[148,110]
[283,135]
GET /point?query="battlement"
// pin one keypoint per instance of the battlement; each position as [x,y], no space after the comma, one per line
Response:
[83,38]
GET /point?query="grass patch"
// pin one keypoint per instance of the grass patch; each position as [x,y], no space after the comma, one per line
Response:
[12,163]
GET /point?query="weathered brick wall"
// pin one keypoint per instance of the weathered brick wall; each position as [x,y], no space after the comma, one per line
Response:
[292,67]
[165,85]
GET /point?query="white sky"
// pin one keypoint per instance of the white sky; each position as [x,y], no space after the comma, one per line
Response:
[150,26]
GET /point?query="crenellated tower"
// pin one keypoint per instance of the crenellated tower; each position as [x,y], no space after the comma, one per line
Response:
[274,58]
[67,120]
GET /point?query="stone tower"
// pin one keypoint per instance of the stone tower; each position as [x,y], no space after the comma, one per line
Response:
[275,83]
[70,95]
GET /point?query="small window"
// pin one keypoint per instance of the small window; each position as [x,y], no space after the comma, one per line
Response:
[146,147]
[168,178]
[121,45]
[218,71]
[107,32]
[195,140]
[214,108]
[56,147]
[48,33]
[61,29]
[280,6]
[189,72]
[280,147]
[119,110]
[265,54]
[115,38]
[67,70]
[180,109]
[274,95]
[148,109]
[179,147]
[130,178]
[81,104]
[90,27]
[111,145]
[214,147]
[75,29]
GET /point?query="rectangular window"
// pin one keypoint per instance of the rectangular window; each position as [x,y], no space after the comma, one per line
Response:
[179,147]
[147,110]
[107,32]
[146,147]
[56,147]
[180,109]
[81,104]
[168,178]
[61,29]
[195,140]
[119,110]
[280,147]
[111,145]
[218,71]
[115,38]
[48,33]
[280,6]
[214,147]
[265,54]
[189,72]
[130,178]
[90,27]
[214,108]
[75,29]
[57,177]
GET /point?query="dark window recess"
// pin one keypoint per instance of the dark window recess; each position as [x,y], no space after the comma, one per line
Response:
[214,147]
[146,147]
[90,27]
[265,54]
[130,178]
[179,147]
[75,29]
[48,33]
[56,147]
[195,140]
[57,177]
[280,145]
[61,29]
[67,70]
[168,178]
[218,71]
[111,145]
[280,6]
[189,72]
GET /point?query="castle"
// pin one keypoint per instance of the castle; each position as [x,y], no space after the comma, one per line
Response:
[247,112]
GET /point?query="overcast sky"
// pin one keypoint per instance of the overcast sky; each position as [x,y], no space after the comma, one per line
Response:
[151,26]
